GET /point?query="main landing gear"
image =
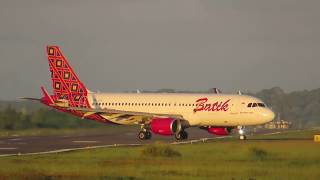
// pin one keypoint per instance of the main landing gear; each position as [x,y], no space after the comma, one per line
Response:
[145,133]
[242,133]
[181,135]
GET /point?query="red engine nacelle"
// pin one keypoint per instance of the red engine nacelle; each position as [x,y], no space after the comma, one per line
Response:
[220,131]
[165,126]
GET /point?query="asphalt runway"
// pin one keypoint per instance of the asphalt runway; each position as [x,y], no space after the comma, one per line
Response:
[35,144]
[15,145]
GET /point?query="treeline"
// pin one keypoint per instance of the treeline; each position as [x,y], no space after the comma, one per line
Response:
[302,108]
[12,119]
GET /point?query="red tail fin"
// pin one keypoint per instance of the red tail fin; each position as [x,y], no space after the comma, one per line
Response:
[66,84]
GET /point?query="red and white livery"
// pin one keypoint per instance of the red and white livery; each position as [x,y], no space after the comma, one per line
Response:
[160,113]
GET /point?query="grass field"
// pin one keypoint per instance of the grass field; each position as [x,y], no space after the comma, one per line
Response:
[220,159]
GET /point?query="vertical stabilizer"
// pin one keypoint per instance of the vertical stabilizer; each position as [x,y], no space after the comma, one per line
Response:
[66,85]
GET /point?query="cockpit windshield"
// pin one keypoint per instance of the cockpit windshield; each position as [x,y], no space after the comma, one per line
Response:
[252,105]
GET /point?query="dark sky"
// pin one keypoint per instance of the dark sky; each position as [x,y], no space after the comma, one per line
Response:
[124,45]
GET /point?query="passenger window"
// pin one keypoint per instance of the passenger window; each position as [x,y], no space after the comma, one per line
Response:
[250,104]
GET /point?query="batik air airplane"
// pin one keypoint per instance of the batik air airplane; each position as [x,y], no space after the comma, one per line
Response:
[163,114]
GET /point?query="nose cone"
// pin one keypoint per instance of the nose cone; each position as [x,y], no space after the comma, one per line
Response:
[267,115]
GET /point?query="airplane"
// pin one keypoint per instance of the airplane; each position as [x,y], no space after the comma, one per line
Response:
[167,114]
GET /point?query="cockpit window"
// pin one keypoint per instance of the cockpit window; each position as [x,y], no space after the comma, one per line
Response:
[252,105]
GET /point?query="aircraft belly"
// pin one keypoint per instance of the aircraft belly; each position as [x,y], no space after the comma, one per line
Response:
[122,119]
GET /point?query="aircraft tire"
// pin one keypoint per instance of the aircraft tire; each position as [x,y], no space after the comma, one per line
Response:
[142,135]
[243,137]
[182,135]
[148,135]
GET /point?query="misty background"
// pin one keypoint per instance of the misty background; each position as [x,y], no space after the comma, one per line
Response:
[123,45]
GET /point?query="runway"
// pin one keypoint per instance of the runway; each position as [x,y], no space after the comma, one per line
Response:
[35,144]
[19,145]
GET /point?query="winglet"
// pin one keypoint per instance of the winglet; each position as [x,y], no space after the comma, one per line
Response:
[46,95]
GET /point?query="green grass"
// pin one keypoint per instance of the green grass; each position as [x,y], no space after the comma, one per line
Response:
[159,150]
[290,134]
[221,159]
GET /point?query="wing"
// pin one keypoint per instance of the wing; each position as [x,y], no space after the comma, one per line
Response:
[123,117]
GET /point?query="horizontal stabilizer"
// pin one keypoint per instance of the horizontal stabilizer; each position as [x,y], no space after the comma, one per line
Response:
[46,95]
[29,98]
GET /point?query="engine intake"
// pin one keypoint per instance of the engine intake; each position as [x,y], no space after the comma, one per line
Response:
[165,126]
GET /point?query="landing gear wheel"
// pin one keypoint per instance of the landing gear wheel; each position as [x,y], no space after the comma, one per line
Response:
[143,135]
[148,135]
[182,135]
[243,137]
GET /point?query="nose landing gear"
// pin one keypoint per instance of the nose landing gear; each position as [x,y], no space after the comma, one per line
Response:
[242,133]
[145,133]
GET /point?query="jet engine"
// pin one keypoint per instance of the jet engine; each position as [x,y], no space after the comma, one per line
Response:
[165,126]
[220,131]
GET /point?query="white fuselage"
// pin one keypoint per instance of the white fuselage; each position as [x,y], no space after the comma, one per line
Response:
[198,109]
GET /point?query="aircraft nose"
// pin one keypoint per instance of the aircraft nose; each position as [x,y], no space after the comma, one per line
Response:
[267,115]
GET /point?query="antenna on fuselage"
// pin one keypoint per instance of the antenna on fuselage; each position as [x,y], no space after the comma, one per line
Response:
[215,91]
[239,92]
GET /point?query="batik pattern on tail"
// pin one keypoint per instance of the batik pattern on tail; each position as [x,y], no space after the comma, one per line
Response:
[66,85]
